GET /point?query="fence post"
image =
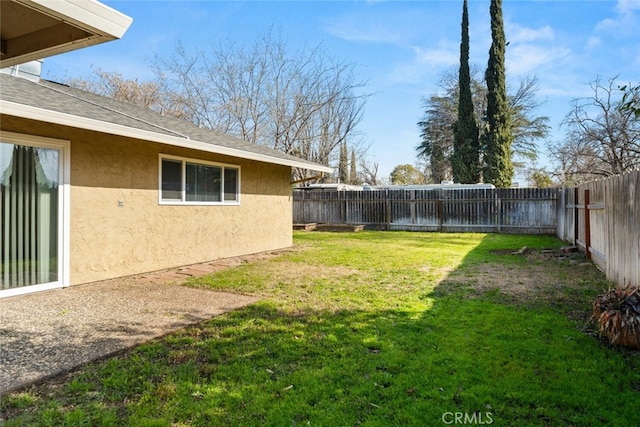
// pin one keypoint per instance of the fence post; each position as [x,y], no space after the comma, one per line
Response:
[587,225]
[412,206]
[560,214]
[576,228]
[387,209]
[300,204]
[499,201]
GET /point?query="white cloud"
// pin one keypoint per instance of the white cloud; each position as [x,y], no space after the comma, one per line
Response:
[625,20]
[594,42]
[627,6]
[607,24]
[426,63]
[373,26]
[392,25]
[369,34]
[445,54]
[518,34]
[526,59]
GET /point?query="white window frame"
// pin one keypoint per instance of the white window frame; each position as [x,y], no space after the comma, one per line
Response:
[183,201]
[64,209]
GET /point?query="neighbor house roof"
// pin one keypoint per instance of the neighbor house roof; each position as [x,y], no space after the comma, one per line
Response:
[60,104]
[34,29]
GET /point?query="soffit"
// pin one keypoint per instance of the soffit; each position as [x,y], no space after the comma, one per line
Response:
[35,29]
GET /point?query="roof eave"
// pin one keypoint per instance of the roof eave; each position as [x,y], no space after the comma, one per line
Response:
[89,23]
[34,113]
[90,15]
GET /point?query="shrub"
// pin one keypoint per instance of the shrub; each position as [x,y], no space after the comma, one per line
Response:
[617,315]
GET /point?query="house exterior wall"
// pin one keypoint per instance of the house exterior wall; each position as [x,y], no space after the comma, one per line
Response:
[118,227]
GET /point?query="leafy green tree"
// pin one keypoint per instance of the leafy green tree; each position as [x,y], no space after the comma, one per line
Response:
[525,127]
[498,168]
[406,175]
[436,138]
[539,178]
[631,100]
[465,161]
[436,135]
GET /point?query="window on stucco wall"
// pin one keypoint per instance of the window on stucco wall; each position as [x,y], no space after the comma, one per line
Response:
[196,182]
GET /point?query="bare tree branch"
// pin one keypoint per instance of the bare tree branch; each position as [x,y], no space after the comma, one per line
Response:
[305,104]
[602,138]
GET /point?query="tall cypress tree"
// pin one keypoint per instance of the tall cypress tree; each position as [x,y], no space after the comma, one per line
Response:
[498,169]
[353,173]
[465,161]
[343,165]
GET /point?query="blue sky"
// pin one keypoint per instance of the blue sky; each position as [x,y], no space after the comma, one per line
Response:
[401,47]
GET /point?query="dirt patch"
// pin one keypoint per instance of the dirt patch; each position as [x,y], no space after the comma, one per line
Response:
[295,272]
[552,277]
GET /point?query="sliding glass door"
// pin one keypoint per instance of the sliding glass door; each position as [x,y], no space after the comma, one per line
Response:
[31,206]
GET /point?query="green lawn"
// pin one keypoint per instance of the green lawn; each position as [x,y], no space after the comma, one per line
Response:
[373,329]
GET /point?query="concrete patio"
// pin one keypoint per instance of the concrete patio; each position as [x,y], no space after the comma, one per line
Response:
[48,333]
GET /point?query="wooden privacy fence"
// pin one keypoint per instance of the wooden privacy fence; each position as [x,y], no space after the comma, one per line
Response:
[603,219]
[513,210]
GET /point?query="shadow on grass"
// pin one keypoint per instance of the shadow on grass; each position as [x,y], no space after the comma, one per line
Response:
[467,346]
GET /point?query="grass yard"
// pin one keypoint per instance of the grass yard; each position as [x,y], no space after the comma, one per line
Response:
[371,329]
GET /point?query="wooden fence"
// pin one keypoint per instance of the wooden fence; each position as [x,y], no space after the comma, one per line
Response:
[526,210]
[603,219]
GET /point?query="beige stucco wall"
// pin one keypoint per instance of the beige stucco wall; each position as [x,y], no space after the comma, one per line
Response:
[111,239]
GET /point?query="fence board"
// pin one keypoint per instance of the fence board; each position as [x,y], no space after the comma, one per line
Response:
[622,200]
